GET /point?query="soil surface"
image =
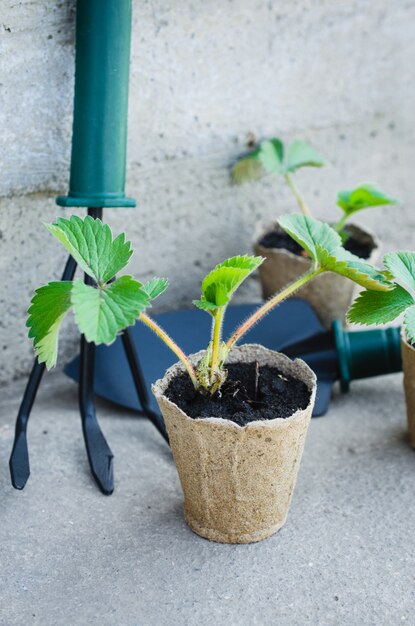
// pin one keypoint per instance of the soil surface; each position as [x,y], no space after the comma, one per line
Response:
[250,393]
[277,238]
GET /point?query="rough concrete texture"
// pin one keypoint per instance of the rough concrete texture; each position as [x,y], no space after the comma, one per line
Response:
[70,555]
[203,76]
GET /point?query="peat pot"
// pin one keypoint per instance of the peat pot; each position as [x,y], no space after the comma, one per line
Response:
[330,295]
[237,480]
[408,363]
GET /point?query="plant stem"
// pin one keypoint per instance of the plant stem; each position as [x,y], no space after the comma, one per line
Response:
[269,305]
[300,200]
[338,226]
[216,339]
[171,344]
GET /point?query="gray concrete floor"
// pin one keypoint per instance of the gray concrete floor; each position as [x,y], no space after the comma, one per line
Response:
[72,556]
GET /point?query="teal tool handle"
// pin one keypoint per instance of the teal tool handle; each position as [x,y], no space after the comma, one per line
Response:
[367,353]
[99,140]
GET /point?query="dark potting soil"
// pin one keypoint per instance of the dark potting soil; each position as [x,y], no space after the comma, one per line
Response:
[249,394]
[279,239]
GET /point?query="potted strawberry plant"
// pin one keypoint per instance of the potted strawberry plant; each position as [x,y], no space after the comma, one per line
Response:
[329,295]
[371,308]
[237,417]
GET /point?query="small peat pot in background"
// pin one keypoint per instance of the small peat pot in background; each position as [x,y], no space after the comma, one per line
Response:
[285,260]
[408,362]
[238,480]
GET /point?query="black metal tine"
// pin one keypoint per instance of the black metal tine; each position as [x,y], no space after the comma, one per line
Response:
[99,453]
[140,384]
[19,458]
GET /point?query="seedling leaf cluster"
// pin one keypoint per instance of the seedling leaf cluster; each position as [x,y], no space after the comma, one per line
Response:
[108,306]
[381,308]
[273,157]
[101,311]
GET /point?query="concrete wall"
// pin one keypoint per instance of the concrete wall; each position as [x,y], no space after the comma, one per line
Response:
[203,76]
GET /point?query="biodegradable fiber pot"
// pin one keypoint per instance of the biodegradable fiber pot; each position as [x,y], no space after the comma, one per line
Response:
[408,363]
[330,295]
[237,481]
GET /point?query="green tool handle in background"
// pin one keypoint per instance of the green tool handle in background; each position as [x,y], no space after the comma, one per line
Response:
[99,141]
[366,353]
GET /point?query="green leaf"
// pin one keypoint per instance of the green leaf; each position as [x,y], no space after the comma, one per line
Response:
[269,158]
[402,267]
[91,244]
[247,169]
[409,323]
[310,233]
[363,197]
[379,307]
[347,264]
[103,313]
[205,305]
[271,155]
[301,154]
[46,313]
[323,244]
[155,287]
[245,263]
[220,284]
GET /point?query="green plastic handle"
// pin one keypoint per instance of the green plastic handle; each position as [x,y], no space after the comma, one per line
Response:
[99,140]
[367,353]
